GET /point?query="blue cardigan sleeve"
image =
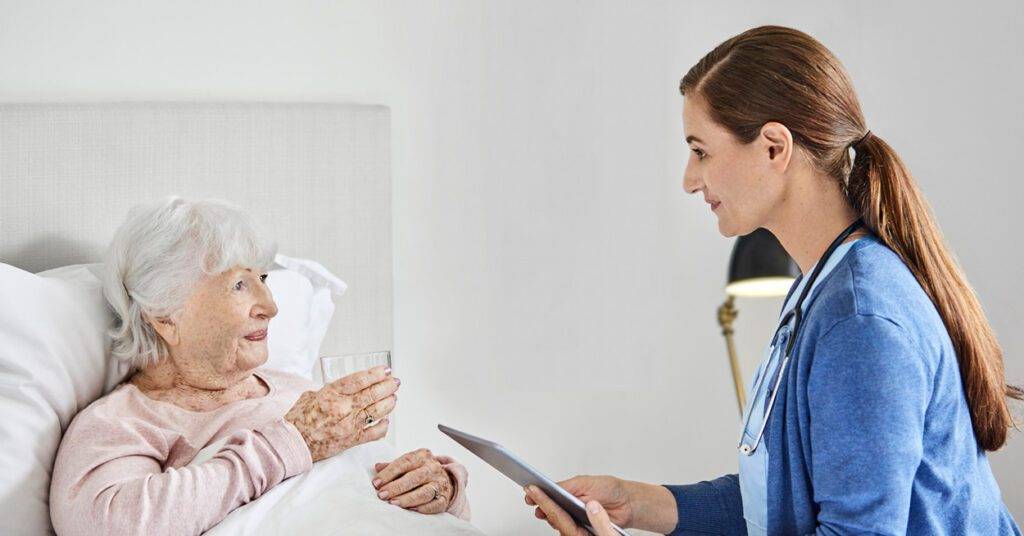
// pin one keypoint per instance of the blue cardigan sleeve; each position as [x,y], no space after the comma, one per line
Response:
[709,507]
[868,391]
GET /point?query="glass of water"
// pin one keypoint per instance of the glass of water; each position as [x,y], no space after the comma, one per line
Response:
[333,367]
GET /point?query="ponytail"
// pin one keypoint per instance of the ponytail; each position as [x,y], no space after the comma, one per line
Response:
[774,73]
[882,190]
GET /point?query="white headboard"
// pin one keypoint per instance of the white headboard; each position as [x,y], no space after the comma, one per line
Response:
[316,176]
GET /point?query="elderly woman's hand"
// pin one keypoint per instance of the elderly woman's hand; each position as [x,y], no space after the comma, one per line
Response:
[415,481]
[336,417]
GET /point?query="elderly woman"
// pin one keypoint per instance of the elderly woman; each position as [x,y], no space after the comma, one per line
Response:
[186,280]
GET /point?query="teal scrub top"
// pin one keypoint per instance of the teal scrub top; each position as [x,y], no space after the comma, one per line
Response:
[754,468]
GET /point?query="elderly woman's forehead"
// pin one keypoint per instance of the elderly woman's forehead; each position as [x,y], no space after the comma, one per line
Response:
[241,268]
[233,271]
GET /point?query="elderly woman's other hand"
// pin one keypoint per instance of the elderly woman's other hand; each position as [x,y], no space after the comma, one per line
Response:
[344,413]
[416,481]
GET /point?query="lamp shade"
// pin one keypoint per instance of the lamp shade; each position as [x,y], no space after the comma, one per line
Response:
[760,267]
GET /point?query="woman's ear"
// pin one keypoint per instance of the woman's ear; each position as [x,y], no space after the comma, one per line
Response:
[777,141]
[165,327]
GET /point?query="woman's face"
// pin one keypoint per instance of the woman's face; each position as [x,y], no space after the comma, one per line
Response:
[222,330]
[740,182]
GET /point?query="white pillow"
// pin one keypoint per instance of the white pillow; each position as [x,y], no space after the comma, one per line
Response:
[302,291]
[53,363]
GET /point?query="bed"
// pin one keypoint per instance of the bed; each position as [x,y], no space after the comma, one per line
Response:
[317,177]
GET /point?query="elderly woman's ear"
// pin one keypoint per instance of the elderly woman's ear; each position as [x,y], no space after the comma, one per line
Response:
[165,327]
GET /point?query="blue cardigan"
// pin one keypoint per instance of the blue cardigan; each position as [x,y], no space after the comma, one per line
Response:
[871,432]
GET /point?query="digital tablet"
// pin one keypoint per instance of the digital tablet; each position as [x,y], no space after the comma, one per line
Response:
[519,471]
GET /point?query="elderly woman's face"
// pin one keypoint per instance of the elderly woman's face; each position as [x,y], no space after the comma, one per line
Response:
[222,330]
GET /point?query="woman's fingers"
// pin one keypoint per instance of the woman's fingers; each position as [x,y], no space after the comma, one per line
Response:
[559,519]
[403,464]
[435,506]
[417,497]
[414,481]
[382,408]
[374,393]
[576,485]
[373,433]
[598,517]
[409,481]
[353,383]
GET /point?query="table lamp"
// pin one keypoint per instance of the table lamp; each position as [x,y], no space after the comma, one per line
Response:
[759,267]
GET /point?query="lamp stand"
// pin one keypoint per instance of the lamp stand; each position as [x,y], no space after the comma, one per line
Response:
[726,314]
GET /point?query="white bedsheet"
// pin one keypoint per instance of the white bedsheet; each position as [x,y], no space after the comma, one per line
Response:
[335,498]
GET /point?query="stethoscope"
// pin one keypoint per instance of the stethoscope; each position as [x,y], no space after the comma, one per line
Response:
[797,314]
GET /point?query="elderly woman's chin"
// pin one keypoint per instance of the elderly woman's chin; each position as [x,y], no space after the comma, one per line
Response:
[251,356]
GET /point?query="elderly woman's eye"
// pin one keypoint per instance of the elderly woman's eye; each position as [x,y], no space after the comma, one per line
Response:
[238,285]
[263,277]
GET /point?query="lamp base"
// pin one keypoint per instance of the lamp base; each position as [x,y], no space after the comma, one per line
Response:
[727,313]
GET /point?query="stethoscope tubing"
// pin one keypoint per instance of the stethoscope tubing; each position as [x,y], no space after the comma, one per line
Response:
[747,448]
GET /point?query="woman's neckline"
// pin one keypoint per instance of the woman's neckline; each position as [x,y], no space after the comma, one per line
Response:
[258,373]
[802,278]
[850,242]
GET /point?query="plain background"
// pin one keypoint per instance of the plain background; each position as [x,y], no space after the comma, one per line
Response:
[555,289]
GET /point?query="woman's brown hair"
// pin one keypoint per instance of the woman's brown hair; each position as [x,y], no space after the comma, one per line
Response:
[773,73]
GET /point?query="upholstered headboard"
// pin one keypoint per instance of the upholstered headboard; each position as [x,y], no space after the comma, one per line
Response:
[316,176]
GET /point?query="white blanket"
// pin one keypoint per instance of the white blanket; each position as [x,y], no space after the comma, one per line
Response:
[335,498]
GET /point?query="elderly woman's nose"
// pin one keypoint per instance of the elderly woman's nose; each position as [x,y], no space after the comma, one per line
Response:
[265,306]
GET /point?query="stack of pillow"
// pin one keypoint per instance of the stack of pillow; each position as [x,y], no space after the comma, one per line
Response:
[54,362]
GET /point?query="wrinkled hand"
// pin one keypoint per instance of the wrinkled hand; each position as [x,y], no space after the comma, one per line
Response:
[415,481]
[336,417]
[607,499]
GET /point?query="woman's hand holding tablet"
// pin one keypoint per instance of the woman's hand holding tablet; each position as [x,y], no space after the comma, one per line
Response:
[606,499]
[609,500]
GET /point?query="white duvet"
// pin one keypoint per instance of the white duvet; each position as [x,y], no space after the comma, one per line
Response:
[335,497]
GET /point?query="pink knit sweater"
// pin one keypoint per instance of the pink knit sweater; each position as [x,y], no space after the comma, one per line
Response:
[123,464]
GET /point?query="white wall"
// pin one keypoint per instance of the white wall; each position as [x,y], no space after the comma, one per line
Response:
[554,287]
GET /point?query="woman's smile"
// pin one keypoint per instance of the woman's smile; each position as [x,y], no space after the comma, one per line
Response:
[257,335]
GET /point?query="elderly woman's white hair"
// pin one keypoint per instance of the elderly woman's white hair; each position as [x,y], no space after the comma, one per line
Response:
[158,254]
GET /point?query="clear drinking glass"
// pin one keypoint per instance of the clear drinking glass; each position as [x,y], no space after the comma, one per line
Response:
[333,367]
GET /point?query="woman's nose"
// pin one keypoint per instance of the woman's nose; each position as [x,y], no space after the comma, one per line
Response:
[691,184]
[265,306]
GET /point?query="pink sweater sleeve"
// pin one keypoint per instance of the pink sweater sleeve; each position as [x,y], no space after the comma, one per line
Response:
[109,477]
[459,506]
